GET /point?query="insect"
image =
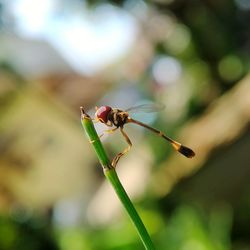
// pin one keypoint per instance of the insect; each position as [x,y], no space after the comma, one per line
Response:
[117,118]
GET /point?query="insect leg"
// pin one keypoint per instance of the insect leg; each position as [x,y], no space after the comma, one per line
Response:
[95,120]
[108,131]
[118,156]
[105,131]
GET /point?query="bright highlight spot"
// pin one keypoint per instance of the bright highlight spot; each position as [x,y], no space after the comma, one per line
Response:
[167,70]
[90,45]
[32,16]
[88,40]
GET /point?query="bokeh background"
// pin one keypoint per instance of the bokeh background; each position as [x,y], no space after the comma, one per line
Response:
[192,56]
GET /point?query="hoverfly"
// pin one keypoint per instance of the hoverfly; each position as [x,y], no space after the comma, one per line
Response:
[117,118]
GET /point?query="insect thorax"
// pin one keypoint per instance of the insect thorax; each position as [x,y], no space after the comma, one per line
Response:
[118,117]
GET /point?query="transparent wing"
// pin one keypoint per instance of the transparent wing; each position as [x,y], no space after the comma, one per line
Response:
[146,108]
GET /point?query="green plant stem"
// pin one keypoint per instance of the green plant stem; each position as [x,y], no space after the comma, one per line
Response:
[112,177]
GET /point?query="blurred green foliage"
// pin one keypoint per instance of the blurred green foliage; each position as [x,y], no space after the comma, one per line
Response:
[186,228]
[32,234]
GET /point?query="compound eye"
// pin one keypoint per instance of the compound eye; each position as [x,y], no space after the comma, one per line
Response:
[102,113]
